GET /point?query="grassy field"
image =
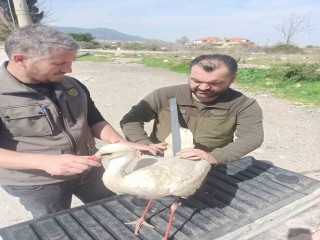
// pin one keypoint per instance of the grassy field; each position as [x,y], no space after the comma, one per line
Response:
[293,77]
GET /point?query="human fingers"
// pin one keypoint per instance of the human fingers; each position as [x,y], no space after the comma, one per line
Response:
[95,158]
[81,162]
[147,149]
[91,161]
[143,147]
[66,170]
[189,153]
[159,146]
[150,149]
[196,154]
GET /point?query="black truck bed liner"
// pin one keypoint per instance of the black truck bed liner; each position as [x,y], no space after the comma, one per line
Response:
[238,200]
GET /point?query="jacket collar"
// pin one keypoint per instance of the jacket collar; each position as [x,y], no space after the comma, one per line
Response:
[11,85]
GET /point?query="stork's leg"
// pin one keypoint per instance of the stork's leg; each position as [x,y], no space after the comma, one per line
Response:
[139,222]
[173,208]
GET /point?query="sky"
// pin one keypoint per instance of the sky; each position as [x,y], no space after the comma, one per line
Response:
[170,20]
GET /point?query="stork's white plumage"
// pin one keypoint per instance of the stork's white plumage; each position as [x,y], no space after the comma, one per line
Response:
[186,138]
[160,177]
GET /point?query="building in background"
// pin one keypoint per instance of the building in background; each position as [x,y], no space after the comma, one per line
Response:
[223,42]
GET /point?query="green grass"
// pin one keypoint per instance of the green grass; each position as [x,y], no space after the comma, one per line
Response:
[305,92]
[167,62]
[296,88]
[94,57]
[297,82]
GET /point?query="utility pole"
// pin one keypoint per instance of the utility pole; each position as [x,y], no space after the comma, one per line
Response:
[22,12]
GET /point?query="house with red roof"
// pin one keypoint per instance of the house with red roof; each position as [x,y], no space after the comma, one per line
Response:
[212,40]
[237,41]
[222,42]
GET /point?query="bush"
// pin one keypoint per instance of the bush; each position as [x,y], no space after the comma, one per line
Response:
[90,45]
[109,46]
[284,48]
[312,46]
[82,37]
[296,72]
[137,46]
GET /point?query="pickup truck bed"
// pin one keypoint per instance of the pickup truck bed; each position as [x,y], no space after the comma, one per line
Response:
[239,200]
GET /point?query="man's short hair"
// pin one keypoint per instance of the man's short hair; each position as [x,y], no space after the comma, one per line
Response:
[211,62]
[37,41]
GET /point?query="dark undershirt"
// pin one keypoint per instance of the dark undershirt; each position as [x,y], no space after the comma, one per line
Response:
[94,116]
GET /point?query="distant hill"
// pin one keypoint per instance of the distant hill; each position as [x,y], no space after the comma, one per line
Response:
[102,33]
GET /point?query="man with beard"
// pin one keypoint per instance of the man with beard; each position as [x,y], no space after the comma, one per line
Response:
[226,125]
[48,124]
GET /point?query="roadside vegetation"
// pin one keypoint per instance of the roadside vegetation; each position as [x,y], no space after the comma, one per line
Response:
[290,76]
[299,82]
[287,71]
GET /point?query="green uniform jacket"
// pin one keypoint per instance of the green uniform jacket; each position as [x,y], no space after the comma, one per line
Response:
[32,123]
[229,128]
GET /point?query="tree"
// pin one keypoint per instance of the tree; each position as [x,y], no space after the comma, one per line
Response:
[82,37]
[183,40]
[293,26]
[9,19]
[35,13]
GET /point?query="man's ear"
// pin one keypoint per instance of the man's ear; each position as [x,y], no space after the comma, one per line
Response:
[19,59]
[233,78]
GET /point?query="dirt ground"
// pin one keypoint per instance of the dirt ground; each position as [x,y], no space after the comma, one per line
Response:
[292,132]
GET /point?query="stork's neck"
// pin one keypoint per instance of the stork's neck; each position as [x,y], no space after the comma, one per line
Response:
[117,166]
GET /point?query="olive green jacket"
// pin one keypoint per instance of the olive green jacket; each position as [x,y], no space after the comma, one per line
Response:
[229,127]
[33,123]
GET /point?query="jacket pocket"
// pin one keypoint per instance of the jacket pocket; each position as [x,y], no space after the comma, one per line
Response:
[216,131]
[183,116]
[26,121]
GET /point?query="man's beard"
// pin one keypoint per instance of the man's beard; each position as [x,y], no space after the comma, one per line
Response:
[209,95]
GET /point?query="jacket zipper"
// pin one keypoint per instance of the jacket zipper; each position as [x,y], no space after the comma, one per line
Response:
[71,138]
